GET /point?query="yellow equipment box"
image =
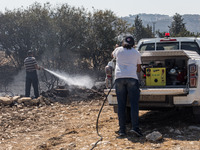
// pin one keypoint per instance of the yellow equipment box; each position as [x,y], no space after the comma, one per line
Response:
[155,76]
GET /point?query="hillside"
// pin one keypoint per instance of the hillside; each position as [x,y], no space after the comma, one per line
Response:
[163,21]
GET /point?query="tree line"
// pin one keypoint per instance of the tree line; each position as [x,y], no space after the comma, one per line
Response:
[68,38]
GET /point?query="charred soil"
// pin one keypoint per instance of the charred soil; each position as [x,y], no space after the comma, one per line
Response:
[72,126]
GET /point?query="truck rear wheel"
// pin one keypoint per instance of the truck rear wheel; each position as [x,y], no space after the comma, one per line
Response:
[196,113]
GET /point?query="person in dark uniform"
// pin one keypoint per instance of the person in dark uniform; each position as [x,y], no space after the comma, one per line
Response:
[31,74]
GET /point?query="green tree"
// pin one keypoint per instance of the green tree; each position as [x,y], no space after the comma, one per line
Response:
[177,27]
[104,27]
[160,34]
[70,29]
[70,38]
[138,28]
[148,32]
[140,31]
[23,30]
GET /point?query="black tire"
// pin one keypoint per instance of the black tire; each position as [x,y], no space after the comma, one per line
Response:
[196,113]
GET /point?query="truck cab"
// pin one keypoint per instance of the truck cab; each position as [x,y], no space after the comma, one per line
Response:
[170,73]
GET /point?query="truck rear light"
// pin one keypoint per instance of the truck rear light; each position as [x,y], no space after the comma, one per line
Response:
[192,68]
[109,76]
[193,75]
[193,82]
[108,70]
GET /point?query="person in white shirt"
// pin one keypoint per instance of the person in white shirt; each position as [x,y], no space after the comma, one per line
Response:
[128,63]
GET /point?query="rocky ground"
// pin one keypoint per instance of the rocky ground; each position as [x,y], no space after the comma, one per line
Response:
[71,125]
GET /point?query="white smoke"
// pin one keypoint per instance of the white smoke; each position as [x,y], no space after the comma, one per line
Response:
[17,86]
[77,80]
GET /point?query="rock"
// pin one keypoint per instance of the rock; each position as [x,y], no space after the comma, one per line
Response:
[180,137]
[105,142]
[154,136]
[15,98]
[33,102]
[194,128]
[41,100]
[177,131]
[23,100]
[6,100]
[62,92]
[71,145]
[170,129]
[19,106]
[156,146]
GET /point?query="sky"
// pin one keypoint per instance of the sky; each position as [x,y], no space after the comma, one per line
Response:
[121,8]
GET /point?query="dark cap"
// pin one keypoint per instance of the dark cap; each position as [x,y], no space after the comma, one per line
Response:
[129,41]
[29,53]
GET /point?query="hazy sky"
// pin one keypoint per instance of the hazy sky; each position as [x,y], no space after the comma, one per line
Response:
[119,7]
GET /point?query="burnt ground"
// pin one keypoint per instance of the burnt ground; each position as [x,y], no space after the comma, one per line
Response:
[72,126]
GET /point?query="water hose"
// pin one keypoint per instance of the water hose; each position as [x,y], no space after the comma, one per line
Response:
[97,122]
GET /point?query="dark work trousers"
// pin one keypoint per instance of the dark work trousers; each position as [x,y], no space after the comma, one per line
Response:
[127,88]
[31,79]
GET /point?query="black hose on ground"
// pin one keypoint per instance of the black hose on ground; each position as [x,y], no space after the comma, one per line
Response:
[97,122]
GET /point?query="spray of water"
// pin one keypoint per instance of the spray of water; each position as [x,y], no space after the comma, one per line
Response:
[73,80]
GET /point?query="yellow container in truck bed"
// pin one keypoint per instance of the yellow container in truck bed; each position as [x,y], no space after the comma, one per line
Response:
[155,76]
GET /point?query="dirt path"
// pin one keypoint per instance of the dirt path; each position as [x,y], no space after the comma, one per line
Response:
[73,127]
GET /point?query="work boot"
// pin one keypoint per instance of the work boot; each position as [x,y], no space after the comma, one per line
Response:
[137,132]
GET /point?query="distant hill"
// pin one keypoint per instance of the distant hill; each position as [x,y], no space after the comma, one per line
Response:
[163,21]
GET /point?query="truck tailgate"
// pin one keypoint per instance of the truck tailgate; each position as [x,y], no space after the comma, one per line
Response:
[149,94]
[156,91]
